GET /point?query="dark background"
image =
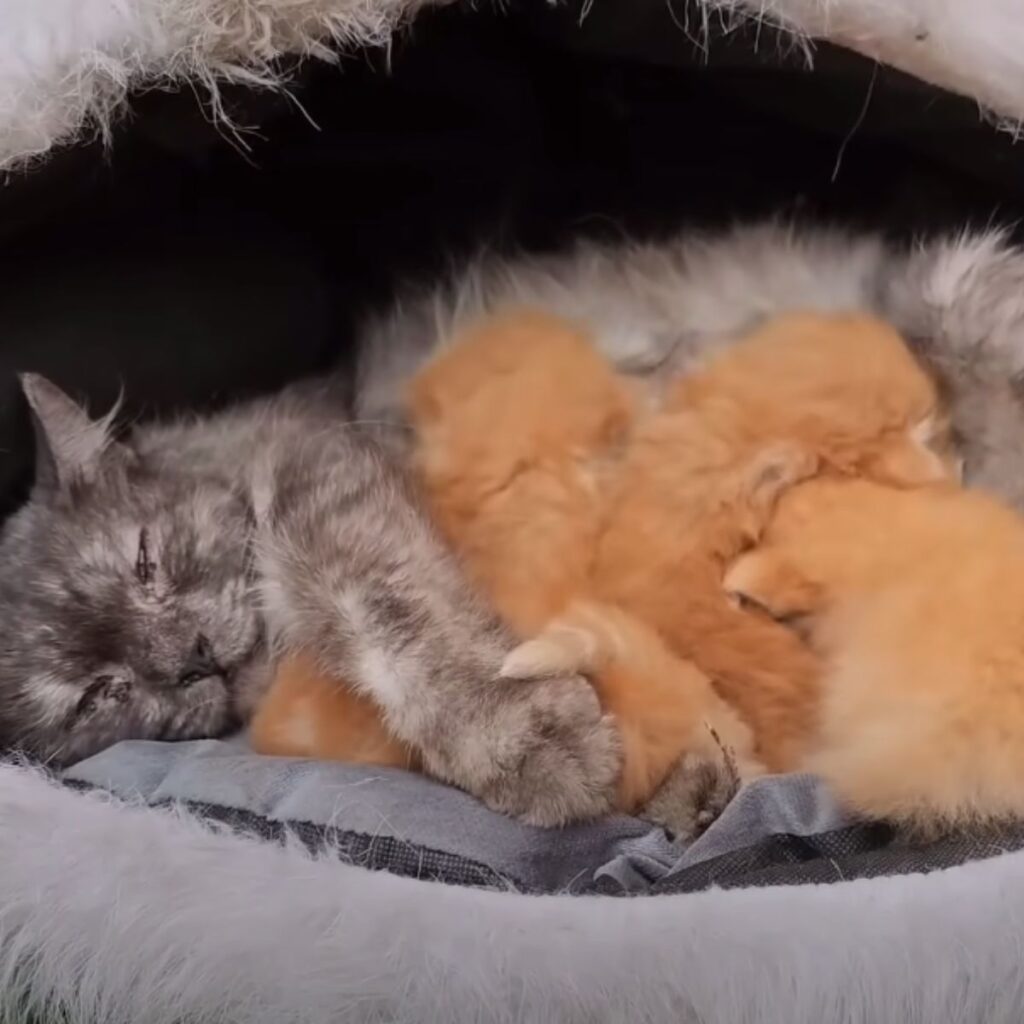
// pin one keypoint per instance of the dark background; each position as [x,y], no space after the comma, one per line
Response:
[189,267]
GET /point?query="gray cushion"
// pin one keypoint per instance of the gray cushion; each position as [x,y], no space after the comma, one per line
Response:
[407,810]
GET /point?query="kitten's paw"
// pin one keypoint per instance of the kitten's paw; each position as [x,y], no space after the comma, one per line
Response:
[694,794]
[587,634]
[557,756]
[558,651]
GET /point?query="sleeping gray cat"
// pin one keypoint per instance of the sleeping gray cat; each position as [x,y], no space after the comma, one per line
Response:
[146,583]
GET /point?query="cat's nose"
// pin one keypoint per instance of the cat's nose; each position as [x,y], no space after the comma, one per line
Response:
[200,663]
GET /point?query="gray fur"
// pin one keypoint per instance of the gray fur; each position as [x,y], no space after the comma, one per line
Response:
[656,309]
[98,647]
[353,571]
[961,301]
[146,584]
[693,795]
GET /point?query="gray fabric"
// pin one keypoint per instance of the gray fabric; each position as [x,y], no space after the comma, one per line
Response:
[797,805]
[385,802]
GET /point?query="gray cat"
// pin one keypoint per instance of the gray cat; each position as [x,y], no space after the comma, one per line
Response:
[146,583]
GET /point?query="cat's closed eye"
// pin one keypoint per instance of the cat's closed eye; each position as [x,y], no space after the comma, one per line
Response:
[89,700]
[108,686]
[145,567]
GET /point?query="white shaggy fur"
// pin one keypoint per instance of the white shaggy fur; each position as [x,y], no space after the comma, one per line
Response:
[66,65]
[130,915]
[975,49]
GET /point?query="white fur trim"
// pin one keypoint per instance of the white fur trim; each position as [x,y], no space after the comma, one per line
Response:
[123,914]
[975,49]
[67,65]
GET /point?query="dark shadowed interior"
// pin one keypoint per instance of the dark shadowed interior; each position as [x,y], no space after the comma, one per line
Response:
[189,267]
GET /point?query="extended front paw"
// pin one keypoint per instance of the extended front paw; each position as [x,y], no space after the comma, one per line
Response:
[556,756]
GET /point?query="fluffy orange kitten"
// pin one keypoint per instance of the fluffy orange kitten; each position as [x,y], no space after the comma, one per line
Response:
[699,482]
[520,426]
[915,601]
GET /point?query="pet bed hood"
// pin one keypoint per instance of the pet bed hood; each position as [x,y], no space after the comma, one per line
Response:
[66,66]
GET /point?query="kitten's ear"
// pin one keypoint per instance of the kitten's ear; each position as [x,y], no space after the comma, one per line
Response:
[69,445]
[775,469]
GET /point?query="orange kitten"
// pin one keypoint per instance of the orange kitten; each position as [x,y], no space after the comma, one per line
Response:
[518,424]
[699,483]
[915,600]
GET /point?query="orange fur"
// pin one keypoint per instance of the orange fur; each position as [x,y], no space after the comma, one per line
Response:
[700,480]
[916,600]
[522,447]
[517,427]
[307,714]
[664,705]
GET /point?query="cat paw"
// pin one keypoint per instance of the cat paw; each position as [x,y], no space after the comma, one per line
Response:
[696,791]
[556,755]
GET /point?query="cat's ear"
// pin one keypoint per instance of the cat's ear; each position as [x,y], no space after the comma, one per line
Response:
[775,469]
[70,446]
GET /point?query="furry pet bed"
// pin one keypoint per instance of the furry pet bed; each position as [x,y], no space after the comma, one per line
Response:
[66,66]
[135,915]
[195,882]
